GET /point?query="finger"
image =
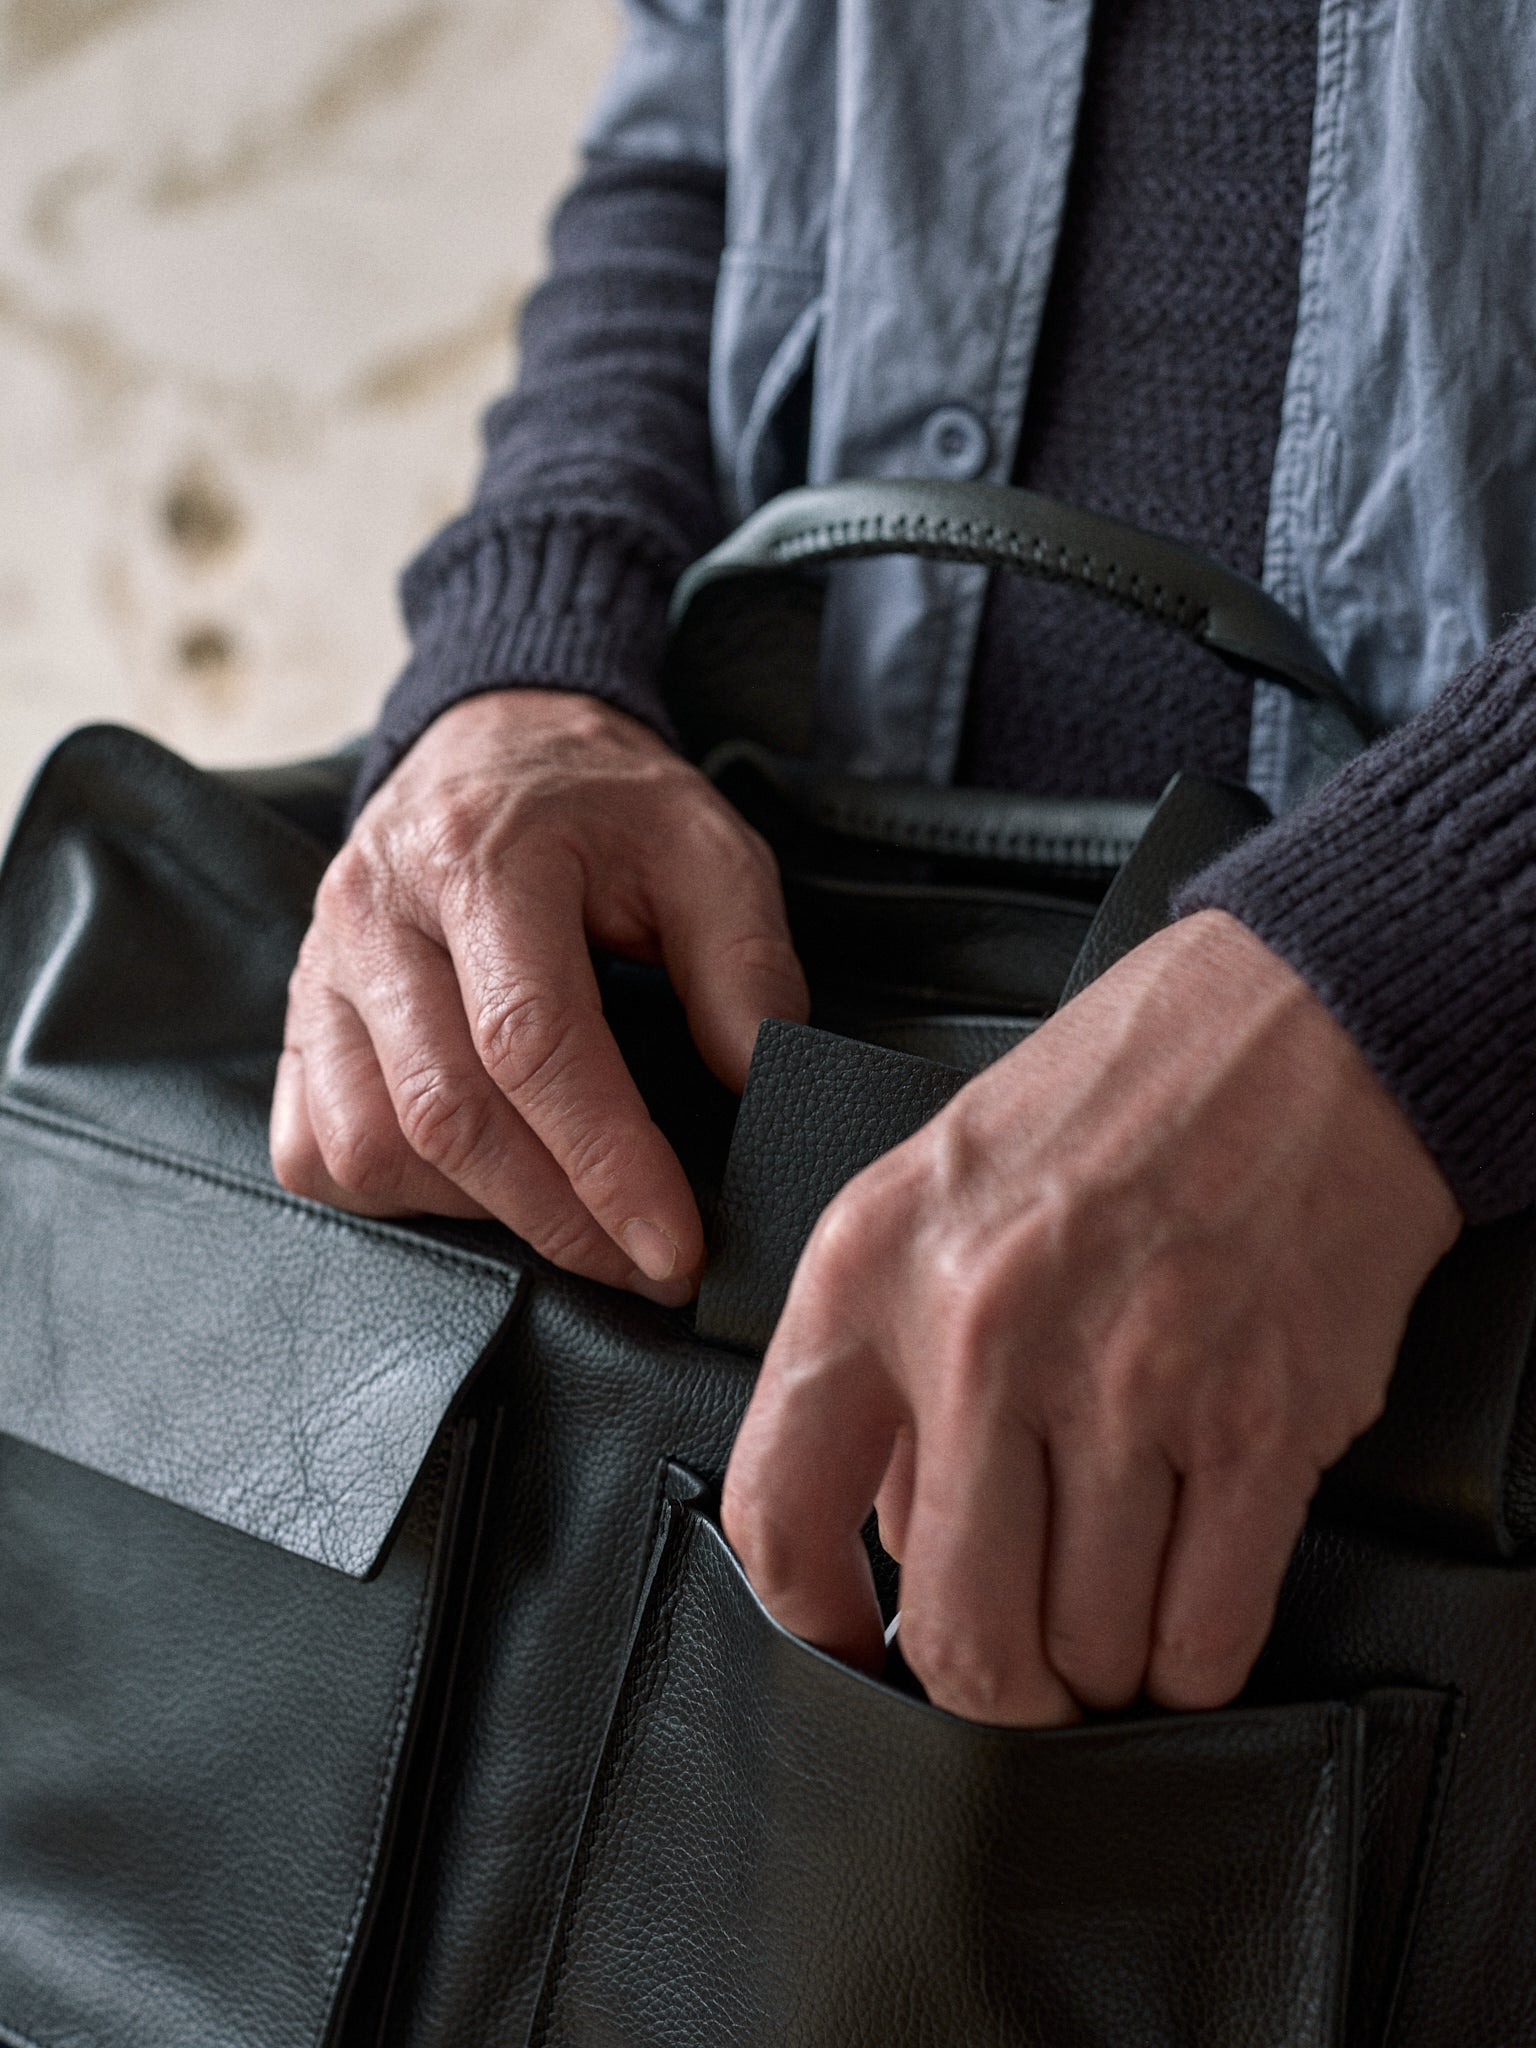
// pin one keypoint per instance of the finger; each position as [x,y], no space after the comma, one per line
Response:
[972,1627]
[1111,1514]
[1233,1536]
[453,1117]
[893,1503]
[530,994]
[726,947]
[291,1140]
[340,1138]
[799,1487]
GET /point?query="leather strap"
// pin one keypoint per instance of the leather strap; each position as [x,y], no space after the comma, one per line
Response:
[1080,835]
[1197,819]
[997,526]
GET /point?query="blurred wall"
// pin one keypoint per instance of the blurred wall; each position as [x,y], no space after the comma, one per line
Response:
[258,265]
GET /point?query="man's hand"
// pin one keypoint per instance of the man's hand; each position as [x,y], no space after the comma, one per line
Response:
[1088,1340]
[445,1048]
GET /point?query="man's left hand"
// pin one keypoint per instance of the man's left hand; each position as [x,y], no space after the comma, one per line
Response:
[1088,1341]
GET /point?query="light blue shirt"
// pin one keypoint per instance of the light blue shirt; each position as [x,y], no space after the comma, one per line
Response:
[896,177]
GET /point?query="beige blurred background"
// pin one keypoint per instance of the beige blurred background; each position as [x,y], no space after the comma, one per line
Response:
[259,261]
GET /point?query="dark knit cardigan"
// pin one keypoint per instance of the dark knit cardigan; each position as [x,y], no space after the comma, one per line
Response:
[1404,894]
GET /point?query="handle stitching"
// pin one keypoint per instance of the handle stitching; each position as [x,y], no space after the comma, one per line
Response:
[1049,847]
[917,529]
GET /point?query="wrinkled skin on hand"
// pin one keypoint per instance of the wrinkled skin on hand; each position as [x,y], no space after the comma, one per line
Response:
[445,1049]
[1089,1339]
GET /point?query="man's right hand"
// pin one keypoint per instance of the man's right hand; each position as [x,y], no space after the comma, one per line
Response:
[445,1048]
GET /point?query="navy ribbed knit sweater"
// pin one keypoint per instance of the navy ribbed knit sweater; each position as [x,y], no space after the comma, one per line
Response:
[1404,894]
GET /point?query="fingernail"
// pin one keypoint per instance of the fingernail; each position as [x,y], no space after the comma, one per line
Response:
[665,1293]
[650,1248]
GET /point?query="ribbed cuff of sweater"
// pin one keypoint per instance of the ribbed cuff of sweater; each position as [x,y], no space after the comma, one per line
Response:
[1405,894]
[569,603]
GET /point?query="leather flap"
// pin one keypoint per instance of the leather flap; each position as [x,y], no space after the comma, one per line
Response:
[817,1110]
[172,1318]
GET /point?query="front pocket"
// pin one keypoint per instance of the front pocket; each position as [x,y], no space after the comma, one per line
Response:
[781,1851]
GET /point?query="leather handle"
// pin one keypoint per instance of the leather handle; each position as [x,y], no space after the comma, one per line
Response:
[1198,818]
[997,526]
[1083,834]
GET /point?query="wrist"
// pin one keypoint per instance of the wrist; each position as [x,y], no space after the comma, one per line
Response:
[1233,954]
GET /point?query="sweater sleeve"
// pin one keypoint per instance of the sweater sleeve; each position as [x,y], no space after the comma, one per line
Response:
[1405,893]
[598,485]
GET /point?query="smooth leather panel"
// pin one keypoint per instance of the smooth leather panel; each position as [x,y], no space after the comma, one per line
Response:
[201,1744]
[172,1317]
[1454,1453]
[867,946]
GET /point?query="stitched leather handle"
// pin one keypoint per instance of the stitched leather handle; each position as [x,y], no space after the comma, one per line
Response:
[1093,835]
[997,526]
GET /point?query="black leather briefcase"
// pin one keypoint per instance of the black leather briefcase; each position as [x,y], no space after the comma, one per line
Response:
[372,1667]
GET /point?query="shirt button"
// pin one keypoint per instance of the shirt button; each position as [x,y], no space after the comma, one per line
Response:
[955,443]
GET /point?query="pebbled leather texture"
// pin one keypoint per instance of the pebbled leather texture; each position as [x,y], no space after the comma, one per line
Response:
[1089,1886]
[817,1110]
[548,1772]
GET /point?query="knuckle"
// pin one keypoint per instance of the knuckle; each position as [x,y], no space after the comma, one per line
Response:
[521,1039]
[440,1120]
[358,1159]
[976,1317]
[764,1539]
[446,838]
[846,1235]
[1361,1409]
[757,853]
[1202,1665]
[1101,1674]
[958,1672]
[1134,1378]
[759,955]
[571,1241]
[603,1158]
[1250,1421]
[348,895]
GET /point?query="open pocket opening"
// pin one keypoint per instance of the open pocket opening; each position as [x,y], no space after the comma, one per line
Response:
[781,1850]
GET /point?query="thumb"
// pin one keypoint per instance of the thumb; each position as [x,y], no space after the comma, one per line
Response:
[725,942]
